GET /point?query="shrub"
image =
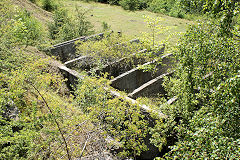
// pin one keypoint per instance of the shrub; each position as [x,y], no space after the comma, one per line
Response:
[161,6]
[49,5]
[24,29]
[131,5]
[65,28]
[193,6]
[33,1]
[105,26]
[177,10]
[109,49]
[27,30]
[27,127]
[113,1]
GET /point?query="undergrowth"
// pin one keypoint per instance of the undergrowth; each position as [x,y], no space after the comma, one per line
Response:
[29,128]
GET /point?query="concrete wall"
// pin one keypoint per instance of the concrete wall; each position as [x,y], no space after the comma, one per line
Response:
[72,76]
[121,66]
[67,50]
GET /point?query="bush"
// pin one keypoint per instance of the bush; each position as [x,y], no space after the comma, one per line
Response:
[120,119]
[177,11]
[131,5]
[113,1]
[49,5]
[33,1]
[109,49]
[66,28]
[27,30]
[193,6]
[27,127]
[161,6]
[105,26]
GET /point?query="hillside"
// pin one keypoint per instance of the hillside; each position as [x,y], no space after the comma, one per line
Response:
[112,96]
[40,14]
[130,23]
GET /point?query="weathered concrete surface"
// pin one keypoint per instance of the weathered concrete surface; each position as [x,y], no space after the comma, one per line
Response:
[67,50]
[127,63]
[130,80]
[135,78]
[152,87]
[172,100]
[71,75]
[80,63]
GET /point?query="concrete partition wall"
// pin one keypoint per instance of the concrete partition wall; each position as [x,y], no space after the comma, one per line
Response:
[150,88]
[66,50]
[72,76]
[131,80]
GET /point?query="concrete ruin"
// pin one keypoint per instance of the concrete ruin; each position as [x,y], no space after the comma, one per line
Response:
[128,77]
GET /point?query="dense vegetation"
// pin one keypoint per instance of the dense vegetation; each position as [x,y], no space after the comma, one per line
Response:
[39,119]
[36,112]
[205,118]
[206,84]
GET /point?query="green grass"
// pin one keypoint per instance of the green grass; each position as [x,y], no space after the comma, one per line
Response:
[129,23]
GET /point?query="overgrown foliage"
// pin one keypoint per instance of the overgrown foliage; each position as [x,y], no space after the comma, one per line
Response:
[205,117]
[120,119]
[111,47]
[202,124]
[28,127]
[25,31]
[65,28]
[49,5]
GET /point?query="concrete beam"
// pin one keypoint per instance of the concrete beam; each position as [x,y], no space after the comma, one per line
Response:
[83,63]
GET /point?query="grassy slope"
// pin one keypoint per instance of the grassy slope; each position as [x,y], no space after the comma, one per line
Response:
[130,23]
[40,14]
